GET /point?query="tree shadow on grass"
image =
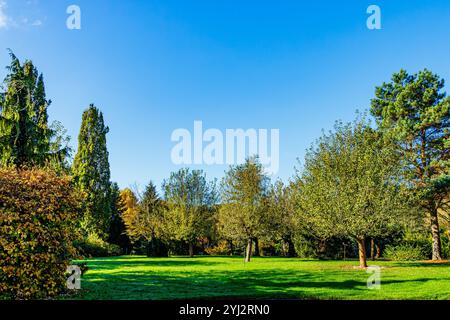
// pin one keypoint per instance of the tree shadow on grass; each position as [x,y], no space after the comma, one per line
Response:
[142,262]
[231,284]
[139,277]
[423,264]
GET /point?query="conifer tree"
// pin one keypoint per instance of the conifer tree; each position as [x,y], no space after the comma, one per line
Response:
[24,132]
[117,229]
[416,112]
[92,173]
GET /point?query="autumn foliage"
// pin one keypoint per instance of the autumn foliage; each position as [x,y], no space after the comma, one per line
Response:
[37,214]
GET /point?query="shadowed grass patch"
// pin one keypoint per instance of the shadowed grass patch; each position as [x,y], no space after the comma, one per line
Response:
[137,277]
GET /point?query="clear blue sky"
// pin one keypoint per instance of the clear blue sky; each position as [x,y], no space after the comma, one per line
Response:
[157,65]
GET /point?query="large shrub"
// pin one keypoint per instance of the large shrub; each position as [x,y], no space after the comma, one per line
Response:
[37,213]
[423,241]
[94,246]
[405,252]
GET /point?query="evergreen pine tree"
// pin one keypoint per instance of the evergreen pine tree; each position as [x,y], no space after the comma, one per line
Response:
[415,111]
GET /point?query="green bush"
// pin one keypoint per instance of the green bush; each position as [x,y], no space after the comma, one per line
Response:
[305,247]
[422,242]
[93,246]
[425,243]
[404,252]
[37,214]
[445,247]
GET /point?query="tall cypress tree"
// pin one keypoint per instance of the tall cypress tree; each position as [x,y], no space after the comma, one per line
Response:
[24,132]
[92,174]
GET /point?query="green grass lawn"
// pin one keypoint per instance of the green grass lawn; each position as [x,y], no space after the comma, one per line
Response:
[138,277]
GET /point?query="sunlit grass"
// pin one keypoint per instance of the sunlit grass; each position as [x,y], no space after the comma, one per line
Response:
[138,277]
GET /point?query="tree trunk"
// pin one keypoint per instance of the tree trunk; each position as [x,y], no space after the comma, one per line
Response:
[378,255]
[437,247]
[248,252]
[345,251]
[257,253]
[291,248]
[362,252]
[321,249]
[154,248]
[372,249]
[230,243]
[191,249]
[150,248]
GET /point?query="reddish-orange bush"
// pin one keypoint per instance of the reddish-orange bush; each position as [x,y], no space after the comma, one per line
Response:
[221,249]
[37,214]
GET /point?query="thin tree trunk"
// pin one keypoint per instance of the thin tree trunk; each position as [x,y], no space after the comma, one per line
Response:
[372,249]
[257,253]
[248,252]
[378,255]
[362,252]
[164,251]
[345,253]
[230,242]
[434,220]
[191,249]
[149,248]
[321,249]
[154,246]
[437,246]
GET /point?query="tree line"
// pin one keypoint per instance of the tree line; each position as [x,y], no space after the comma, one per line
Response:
[361,182]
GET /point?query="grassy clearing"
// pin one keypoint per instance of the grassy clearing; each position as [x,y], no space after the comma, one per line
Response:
[137,277]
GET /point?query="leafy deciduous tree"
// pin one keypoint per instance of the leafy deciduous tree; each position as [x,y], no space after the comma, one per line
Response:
[129,205]
[281,208]
[190,202]
[242,214]
[350,185]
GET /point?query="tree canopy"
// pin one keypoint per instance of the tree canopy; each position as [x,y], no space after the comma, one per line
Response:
[350,185]
[26,139]
[92,173]
[190,201]
[242,213]
[415,111]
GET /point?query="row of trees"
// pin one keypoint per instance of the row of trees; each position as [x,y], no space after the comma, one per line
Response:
[349,188]
[359,181]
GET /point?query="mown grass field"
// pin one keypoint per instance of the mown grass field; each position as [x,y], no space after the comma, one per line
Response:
[138,277]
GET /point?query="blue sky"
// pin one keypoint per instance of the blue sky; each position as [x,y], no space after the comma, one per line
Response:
[157,65]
